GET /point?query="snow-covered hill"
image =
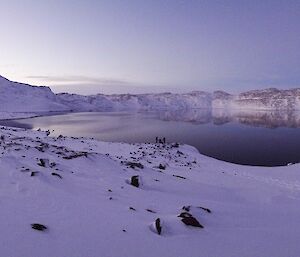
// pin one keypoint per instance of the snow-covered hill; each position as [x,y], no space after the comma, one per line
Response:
[272,98]
[19,97]
[161,101]
[29,100]
[84,197]
[269,99]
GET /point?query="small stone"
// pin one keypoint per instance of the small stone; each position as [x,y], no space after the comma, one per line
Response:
[38,226]
[177,176]
[191,221]
[135,181]
[205,209]
[33,173]
[161,167]
[56,174]
[149,210]
[158,226]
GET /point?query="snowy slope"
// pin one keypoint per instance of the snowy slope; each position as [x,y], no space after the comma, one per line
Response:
[18,97]
[80,190]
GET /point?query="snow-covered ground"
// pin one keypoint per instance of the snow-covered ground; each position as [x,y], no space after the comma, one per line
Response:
[92,198]
[80,190]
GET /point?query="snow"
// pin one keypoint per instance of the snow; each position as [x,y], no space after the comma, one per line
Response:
[254,210]
[268,99]
[22,100]
[80,189]
[148,102]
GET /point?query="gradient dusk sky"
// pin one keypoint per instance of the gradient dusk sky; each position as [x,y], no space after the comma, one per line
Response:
[150,45]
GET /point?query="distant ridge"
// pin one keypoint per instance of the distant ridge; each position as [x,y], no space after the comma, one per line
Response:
[20,97]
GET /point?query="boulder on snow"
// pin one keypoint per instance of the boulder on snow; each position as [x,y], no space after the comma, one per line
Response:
[158,226]
[191,221]
[56,174]
[38,226]
[33,173]
[135,181]
[134,165]
[191,214]
[161,166]
[42,162]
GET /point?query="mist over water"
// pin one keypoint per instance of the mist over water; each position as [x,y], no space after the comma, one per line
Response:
[263,138]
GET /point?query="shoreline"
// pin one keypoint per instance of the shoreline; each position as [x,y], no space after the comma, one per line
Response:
[48,179]
[21,116]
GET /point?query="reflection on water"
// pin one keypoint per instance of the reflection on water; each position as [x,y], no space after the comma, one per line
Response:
[268,119]
[245,137]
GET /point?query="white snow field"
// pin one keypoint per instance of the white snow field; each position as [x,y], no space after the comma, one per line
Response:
[80,191]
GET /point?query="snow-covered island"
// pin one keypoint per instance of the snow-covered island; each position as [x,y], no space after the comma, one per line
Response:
[65,196]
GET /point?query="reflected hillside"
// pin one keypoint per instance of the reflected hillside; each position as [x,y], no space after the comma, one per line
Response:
[268,119]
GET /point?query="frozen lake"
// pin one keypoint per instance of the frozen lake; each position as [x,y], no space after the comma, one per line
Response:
[252,138]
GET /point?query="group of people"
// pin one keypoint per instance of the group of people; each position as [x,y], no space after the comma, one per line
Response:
[160,140]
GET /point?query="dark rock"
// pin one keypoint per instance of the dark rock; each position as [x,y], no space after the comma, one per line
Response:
[205,209]
[186,208]
[176,145]
[135,181]
[179,152]
[52,165]
[149,210]
[56,174]
[75,155]
[161,167]
[158,226]
[177,176]
[42,163]
[33,173]
[191,221]
[134,165]
[39,227]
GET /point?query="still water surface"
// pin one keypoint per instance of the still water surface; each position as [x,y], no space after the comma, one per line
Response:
[251,138]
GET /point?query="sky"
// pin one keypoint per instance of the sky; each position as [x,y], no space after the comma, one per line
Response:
[137,46]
